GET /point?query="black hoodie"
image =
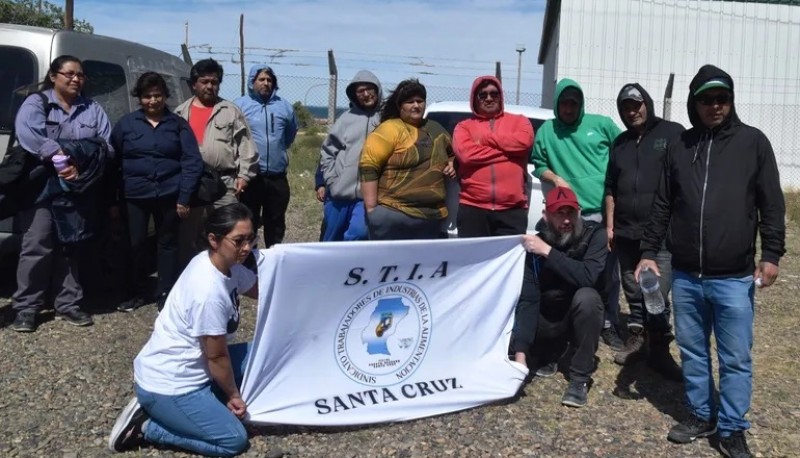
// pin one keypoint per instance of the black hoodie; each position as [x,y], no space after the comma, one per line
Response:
[719,186]
[635,166]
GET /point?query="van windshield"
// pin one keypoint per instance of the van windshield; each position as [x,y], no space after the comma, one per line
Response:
[449,119]
[17,77]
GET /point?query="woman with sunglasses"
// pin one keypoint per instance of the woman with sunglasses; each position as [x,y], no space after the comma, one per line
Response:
[187,377]
[48,268]
[161,167]
[403,165]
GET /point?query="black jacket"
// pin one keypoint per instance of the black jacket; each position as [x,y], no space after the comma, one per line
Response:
[719,186]
[634,168]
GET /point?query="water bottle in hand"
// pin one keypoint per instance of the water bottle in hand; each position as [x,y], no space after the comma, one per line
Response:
[651,292]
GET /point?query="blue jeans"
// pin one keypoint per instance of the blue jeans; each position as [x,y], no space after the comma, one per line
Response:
[344,220]
[198,421]
[724,305]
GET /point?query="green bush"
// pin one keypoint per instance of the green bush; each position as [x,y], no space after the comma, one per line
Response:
[304,153]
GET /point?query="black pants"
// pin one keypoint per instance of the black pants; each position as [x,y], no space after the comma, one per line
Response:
[267,196]
[526,316]
[478,222]
[627,251]
[578,322]
[165,216]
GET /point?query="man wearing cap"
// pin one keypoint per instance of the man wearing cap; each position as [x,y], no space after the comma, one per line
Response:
[274,126]
[634,168]
[572,151]
[720,186]
[569,256]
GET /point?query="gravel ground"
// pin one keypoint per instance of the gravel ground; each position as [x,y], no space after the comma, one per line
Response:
[61,389]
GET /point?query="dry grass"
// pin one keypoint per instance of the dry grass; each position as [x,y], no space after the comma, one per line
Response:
[792,197]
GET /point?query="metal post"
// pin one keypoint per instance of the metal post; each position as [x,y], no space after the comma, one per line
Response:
[520,50]
[241,51]
[497,73]
[667,112]
[69,7]
[332,87]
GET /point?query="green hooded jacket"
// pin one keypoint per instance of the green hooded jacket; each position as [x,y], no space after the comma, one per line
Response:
[576,152]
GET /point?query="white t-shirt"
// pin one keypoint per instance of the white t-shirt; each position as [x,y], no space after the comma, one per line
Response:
[203,302]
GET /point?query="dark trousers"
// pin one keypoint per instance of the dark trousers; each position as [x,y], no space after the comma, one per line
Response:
[384,223]
[479,222]
[578,322]
[267,196]
[165,216]
[526,316]
[610,294]
[627,251]
[46,269]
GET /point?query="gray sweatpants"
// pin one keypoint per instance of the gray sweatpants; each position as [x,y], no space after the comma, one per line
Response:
[46,267]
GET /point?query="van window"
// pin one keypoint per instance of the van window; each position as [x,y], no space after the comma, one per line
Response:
[17,78]
[106,85]
[449,119]
[176,93]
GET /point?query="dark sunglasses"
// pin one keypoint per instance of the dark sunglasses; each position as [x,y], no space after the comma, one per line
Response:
[709,100]
[483,95]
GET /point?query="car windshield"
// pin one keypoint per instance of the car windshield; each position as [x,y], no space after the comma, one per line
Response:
[17,78]
[449,119]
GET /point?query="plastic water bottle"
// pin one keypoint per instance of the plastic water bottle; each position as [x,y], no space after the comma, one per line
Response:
[651,292]
[60,162]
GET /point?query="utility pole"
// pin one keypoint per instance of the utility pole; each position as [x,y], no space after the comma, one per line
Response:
[333,75]
[520,50]
[241,50]
[186,34]
[69,7]
[497,72]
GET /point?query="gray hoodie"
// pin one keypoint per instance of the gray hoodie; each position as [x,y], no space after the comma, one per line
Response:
[341,151]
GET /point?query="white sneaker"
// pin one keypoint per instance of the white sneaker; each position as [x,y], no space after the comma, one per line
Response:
[130,419]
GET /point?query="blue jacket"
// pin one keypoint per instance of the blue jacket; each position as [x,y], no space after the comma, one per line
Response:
[157,162]
[272,122]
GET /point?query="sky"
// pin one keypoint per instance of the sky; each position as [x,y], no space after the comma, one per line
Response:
[442,42]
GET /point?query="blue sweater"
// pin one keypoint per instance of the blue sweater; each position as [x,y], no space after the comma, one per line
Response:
[273,124]
[157,161]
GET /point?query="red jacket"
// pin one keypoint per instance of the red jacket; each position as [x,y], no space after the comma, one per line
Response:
[492,155]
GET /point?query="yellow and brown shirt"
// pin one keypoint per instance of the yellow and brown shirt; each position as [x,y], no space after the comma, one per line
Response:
[407,163]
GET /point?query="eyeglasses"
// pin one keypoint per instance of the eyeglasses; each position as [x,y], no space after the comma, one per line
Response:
[631,104]
[72,75]
[483,95]
[709,100]
[240,242]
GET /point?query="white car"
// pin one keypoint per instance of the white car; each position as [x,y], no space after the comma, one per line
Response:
[448,114]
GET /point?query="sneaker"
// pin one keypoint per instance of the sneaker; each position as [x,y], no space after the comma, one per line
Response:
[576,395]
[735,446]
[611,338]
[24,322]
[128,427]
[633,349]
[76,317]
[660,359]
[691,429]
[548,370]
[130,305]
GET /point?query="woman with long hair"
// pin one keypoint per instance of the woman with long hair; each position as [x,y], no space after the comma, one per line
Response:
[403,166]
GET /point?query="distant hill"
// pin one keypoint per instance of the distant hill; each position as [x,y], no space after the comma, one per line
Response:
[322,112]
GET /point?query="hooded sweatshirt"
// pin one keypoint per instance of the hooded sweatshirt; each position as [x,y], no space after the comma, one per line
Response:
[576,152]
[492,154]
[341,150]
[719,186]
[634,167]
[272,122]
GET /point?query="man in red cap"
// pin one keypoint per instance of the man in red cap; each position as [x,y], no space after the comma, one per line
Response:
[569,256]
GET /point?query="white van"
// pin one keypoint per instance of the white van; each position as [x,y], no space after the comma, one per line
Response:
[448,114]
[111,65]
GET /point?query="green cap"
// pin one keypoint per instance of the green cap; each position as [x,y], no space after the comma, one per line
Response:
[711,84]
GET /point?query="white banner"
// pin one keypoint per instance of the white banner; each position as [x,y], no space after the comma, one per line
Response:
[365,332]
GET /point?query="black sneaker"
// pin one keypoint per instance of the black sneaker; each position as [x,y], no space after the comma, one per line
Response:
[633,349]
[127,430]
[576,394]
[24,322]
[735,446]
[612,339]
[76,317]
[130,305]
[548,370]
[691,429]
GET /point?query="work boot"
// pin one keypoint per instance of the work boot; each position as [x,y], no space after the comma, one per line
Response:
[634,348]
[660,359]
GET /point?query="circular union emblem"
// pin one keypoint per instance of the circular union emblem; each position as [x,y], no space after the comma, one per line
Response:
[384,336]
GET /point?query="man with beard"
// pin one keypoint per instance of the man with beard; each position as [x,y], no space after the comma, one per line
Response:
[344,208]
[568,262]
[225,144]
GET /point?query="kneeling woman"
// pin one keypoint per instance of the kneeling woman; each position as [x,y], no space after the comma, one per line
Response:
[186,377]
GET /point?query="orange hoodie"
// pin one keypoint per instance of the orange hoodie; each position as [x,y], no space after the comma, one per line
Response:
[492,155]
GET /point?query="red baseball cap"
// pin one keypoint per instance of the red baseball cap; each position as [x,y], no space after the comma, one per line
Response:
[560,197]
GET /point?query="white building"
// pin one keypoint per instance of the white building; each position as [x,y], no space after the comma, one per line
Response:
[603,44]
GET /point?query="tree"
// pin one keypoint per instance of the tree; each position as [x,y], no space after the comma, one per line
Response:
[38,13]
